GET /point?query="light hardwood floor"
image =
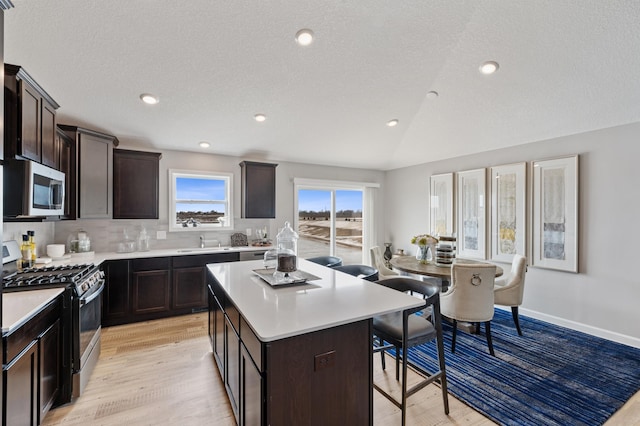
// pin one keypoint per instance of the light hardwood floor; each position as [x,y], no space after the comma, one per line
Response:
[163,373]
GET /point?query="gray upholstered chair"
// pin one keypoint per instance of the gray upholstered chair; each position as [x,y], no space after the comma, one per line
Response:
[404,330]
[470,297]
[365,272]
[508,291]
[377,261]
[329,261]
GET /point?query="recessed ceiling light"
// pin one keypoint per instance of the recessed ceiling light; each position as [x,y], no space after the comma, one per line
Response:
[304,37]
[204,144]
[260,117]
[393,123]
[150,99]
[432,94]
[489,67]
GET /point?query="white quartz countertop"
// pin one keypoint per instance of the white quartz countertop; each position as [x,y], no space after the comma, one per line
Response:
[99,257]
[279,312]
[20,306]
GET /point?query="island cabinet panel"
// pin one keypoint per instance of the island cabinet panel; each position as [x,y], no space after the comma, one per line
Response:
[315,378]
[135,184]
[324,373]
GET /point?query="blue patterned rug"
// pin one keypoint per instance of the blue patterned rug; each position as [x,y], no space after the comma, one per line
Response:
[549,376]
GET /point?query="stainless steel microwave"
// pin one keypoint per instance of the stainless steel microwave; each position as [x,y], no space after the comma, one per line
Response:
[32,189]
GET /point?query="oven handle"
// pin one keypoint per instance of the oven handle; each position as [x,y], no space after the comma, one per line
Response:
[93,296]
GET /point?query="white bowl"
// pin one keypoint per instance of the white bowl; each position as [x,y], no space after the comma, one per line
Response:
[55,251]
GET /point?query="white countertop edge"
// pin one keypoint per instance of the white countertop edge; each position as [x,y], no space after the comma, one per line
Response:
[20,306]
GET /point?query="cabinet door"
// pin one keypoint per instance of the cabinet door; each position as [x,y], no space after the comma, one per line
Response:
[151,292]
[189,288]
[232,366]
[95,167]
[49,147]
[115,298]
[135,184]
[211,317]
[251,400]
[66,147]
[30,142]
[50,354]
[258,190]
[21,379]
[218,335]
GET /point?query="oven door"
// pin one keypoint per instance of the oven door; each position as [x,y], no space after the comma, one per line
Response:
[89,317]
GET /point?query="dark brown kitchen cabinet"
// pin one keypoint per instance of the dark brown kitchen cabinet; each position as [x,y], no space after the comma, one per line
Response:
[151,286]
[93,172]
[258,190]
[135,184]
[67,149]
[231,372]
[156,287]
[116,295]
[216,328]
[35,373]
[29,119]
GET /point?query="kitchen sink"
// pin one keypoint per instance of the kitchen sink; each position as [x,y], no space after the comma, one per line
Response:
[196,249]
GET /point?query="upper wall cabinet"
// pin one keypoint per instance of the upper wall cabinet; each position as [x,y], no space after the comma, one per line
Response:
[67,148]
[258,190]
[135,184]
[30,119]
[94,168]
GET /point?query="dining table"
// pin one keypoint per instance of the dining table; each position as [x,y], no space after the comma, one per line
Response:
[412,265]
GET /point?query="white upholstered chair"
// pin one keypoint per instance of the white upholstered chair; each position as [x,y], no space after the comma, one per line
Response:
[377,261]
[470,297]
[508,291]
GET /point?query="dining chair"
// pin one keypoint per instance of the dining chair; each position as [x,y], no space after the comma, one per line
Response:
[377,261]
[470,298]
[404,330]
[509,291]
[365,272]
[329,261]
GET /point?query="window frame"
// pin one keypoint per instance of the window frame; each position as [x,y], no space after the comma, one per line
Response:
[227,177]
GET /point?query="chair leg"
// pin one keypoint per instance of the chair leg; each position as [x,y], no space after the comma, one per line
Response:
[443,378]
[398,362]
[382,354]
[404,385]
[453,336]
[487,326]
[514,314]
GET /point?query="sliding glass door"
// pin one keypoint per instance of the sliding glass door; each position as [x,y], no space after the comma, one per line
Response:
[330,222]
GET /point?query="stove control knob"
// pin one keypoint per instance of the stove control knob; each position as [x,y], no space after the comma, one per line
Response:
[85,287]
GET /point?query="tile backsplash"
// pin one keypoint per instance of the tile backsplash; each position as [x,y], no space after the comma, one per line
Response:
[105,235]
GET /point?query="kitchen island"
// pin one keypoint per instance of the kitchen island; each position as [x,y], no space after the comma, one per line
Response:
[298,354]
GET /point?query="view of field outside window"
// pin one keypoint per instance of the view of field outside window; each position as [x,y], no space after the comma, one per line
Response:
[200,201]
[315,218]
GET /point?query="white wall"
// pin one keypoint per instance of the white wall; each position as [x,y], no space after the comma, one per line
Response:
[603,298]
[105,234]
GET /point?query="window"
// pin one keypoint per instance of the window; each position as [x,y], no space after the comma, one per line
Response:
[200,200]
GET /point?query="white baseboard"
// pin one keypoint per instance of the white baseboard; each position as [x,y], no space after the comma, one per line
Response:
[594,331]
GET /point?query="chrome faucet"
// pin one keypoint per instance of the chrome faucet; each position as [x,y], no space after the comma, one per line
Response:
[201,241]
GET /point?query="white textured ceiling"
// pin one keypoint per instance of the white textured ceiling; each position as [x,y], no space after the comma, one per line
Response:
[566,66]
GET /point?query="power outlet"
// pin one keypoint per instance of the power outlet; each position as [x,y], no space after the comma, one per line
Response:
[325,360]
[161,235]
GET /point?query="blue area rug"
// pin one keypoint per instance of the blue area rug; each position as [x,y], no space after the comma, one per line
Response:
[549,376]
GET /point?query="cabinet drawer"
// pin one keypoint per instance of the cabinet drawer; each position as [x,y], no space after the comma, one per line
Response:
[151,264]
[252,343]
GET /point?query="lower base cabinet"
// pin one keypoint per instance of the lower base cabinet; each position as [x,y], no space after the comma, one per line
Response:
[33,367]
[289,381]
[156,287]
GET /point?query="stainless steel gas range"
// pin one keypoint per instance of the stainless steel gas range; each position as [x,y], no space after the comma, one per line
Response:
[85,282]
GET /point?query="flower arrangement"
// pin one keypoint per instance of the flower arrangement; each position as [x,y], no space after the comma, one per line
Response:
[423,241]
